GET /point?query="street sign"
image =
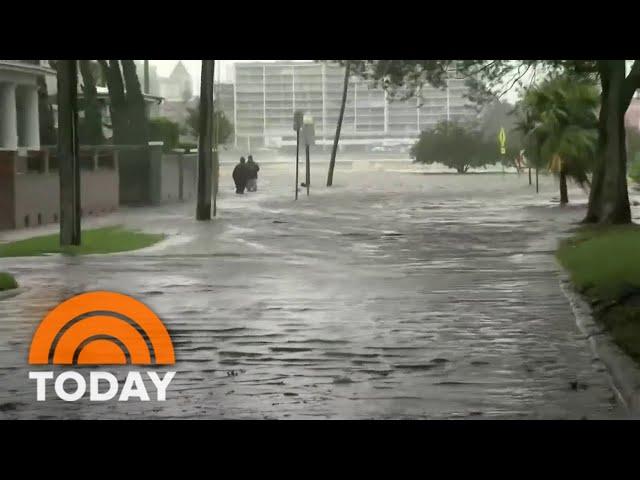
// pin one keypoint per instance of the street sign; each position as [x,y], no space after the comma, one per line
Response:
[308,130]
[297,120]
[502,138]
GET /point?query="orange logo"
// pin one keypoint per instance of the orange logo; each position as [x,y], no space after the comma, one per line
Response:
[101,328]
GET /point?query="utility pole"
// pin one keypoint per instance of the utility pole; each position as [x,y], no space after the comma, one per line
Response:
[146,76]
[68,152]
[203,209]
[298,116]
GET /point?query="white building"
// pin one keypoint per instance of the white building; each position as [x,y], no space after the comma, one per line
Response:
[19,118]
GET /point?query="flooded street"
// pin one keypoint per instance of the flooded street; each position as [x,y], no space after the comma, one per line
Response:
[391,295]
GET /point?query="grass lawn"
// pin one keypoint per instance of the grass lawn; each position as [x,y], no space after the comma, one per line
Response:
[7,282]
[99,240]
[604,264]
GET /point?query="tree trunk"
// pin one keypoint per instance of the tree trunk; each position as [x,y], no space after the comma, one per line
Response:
[92,115]
[537,184]
[117,101]
[564,196]
[205,141]
[609,197]
[138,122]
[529,175]
[336,139]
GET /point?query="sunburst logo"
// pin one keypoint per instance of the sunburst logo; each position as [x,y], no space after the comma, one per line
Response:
[101,328]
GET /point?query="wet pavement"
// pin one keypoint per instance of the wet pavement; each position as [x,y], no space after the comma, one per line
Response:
[391,295]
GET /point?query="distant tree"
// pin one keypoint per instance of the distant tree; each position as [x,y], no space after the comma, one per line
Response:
[456,146]
[222,127]
[164,130]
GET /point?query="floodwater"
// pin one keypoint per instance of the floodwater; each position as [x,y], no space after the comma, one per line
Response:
[390,295]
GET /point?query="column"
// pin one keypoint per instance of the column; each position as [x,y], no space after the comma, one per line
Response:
[31,122]
[8,117]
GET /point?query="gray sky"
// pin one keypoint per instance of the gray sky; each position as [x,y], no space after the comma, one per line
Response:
[223,67]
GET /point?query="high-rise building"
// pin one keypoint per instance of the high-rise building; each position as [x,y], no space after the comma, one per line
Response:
[267,94]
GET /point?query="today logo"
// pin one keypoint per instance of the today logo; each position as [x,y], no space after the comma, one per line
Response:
[101,328]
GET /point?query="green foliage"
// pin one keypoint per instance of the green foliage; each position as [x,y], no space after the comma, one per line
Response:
[7,282]
[559,119]
[222,127]
[99,240]
[455,146]
[604,264]
[162,129]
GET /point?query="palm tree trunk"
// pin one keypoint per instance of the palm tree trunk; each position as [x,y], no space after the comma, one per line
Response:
[92,114]
[336,139]
[138,122]
[45,111]
[564,196]
[117,101]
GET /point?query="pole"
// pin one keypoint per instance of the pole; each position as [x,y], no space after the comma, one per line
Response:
[146,76]
[308,179]
[537,190]
[203,209]
[297,158]
[68,152]
[216,141]
[529,175]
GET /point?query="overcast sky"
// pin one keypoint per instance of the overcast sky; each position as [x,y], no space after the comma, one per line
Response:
[223,69]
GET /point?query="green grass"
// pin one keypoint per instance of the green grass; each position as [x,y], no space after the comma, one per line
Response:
[604,264]
[7,282]
[99,240]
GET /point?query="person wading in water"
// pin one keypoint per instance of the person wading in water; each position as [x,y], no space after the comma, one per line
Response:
[252,177]
[240,176]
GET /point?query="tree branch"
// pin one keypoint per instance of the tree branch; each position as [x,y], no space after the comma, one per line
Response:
[631,83]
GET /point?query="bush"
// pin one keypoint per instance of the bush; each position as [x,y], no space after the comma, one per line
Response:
[7,282]
[454,145]
[164,130]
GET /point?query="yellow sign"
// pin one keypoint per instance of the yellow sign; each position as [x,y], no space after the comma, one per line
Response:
[502,137]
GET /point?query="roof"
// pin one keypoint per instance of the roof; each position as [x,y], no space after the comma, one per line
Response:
[180,70]
[24,66]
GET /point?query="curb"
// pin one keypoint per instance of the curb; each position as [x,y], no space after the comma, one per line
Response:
[624,373]
[11,292]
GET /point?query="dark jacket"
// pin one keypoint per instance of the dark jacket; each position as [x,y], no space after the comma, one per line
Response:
[252,168]
[240,174]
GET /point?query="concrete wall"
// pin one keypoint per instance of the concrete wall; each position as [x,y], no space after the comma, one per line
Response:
[177,168]
[31,197]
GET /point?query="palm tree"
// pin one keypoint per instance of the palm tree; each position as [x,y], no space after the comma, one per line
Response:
[560,127]
[334,150]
